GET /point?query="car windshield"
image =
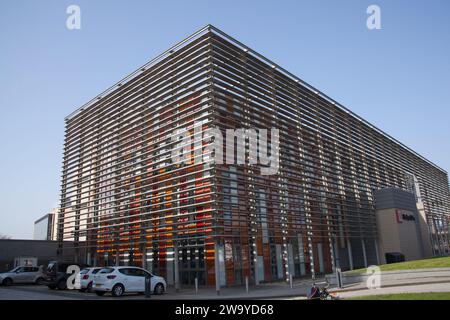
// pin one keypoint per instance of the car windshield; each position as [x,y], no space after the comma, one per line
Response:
[15,269]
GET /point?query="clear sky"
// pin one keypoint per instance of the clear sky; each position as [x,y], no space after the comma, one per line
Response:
[397,78]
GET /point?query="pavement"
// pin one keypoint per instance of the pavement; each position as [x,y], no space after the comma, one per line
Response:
[401,281]
[32,292]
[428,280]
[398,275]
[401,278]
[413,288]
[265,291]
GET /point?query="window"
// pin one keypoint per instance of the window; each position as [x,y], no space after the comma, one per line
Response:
[107,270]
[134,272]
[126,272]
[139,273]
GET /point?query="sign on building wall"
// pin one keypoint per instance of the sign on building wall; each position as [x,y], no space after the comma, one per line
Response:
[404,216]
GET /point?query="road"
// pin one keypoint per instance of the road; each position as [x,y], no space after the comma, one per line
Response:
[33,292]
[272,291]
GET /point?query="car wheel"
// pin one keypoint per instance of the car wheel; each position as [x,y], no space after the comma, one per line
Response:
[159,289]
[62,284]
[100,293]
[39,281]
[89,287]
[7,282]
[118,290]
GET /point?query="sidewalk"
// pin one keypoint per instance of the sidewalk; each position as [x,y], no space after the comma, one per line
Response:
[263,291]
[395,281]
[399,278]
[411,288]
[402,281]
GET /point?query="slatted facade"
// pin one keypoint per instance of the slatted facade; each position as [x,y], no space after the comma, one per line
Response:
[125,200]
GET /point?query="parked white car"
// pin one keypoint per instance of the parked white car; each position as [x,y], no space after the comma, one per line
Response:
[85,279]
[119,280]
[22,274]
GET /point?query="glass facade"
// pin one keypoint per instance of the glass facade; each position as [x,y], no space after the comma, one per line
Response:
[125,200]
[45,227]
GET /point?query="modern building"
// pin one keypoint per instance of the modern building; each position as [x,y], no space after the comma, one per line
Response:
[45,227]
[127,198]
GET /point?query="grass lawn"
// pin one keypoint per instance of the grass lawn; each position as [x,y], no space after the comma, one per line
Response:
[407,296]
[441,262]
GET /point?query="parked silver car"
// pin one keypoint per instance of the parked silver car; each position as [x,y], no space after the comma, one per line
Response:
[22,274]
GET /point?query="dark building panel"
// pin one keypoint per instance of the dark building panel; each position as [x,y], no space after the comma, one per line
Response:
[389,198]
[43,250]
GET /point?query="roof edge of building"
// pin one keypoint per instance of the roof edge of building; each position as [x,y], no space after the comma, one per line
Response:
[211,28]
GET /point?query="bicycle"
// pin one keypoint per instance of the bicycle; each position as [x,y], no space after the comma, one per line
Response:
[321,293]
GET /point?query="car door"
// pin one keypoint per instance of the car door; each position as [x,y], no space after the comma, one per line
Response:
[137,279]
[30,274]
[20,275]
[140,283]
[128,279]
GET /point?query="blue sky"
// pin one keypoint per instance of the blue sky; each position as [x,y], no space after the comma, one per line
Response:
[397,78]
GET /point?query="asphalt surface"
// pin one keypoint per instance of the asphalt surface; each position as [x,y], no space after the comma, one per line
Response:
[406,282]
[34,292]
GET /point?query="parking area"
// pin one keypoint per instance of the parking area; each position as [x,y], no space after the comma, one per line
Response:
[56,282]
[37,292]
[266,291]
